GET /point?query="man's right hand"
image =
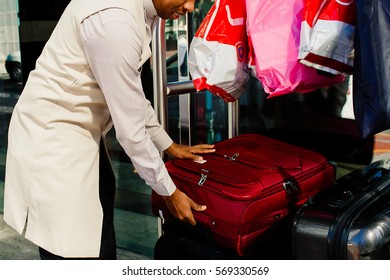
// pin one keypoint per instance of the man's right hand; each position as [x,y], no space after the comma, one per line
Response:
[181,206]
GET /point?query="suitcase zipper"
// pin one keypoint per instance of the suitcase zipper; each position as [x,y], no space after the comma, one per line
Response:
[232,158]
[204,174]
[235,156]
[288,185]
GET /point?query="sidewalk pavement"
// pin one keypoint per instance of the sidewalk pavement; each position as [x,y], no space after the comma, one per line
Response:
[15,247]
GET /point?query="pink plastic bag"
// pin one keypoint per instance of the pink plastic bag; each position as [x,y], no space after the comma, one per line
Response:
[274,31]
[218,52]
[327,35]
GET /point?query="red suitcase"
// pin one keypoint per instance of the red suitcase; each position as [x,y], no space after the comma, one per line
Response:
[248,184]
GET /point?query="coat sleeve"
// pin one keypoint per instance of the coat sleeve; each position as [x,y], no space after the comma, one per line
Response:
[158,135]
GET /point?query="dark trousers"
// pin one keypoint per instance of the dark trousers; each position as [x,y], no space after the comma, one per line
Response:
[107,197]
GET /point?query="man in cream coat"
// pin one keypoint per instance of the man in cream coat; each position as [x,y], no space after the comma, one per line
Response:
[58,191]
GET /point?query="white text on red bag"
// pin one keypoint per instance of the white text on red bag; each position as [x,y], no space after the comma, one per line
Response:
[327,35]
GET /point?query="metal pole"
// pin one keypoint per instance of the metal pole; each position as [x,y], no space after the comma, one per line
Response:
[159,72]
[159,82]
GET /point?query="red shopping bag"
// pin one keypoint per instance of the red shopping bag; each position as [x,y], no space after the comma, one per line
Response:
[274,32]
[327,35]
[218,52]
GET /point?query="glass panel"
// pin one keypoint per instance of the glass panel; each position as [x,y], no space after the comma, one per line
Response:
[321,120]
[177,70]
[207,114]
[135,224]
[210,113]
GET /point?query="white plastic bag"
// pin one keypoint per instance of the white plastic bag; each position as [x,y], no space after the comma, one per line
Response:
[327,35]
[218,52]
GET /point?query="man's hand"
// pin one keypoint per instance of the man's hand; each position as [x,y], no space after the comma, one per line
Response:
[181,206]
[189,152]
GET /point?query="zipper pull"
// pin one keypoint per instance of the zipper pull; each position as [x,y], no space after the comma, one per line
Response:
[202,180]
[233,157]
[203,177]
[290,187]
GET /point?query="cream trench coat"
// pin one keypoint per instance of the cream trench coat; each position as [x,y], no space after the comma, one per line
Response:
[51,184]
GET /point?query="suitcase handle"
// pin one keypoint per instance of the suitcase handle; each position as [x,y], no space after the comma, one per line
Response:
[377,174]
[377,171]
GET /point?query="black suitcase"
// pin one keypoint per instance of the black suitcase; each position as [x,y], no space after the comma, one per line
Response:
[349,220]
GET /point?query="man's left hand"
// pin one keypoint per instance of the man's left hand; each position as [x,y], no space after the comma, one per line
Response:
[189,152]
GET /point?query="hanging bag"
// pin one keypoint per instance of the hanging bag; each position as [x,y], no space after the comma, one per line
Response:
[371,80]
[218,52]
[327,35]
[274,30]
